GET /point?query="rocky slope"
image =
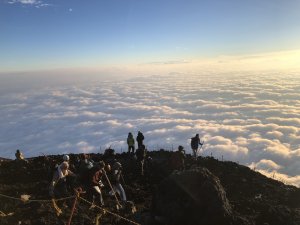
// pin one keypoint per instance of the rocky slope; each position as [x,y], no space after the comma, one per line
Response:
[207,192]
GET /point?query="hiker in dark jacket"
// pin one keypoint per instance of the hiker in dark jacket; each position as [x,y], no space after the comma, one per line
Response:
[94,183]
[195,142]
[130,142]
[140,139]
[84,166]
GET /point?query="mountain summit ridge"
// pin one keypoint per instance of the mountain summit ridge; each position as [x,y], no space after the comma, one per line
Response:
[208,191]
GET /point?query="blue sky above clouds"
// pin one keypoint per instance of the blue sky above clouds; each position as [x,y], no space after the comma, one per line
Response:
[44,34]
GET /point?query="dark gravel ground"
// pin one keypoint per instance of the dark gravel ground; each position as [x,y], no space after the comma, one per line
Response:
[253,197]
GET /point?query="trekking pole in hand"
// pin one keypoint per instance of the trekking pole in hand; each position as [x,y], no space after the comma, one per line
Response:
[201,144]
[123,179]
[113,191]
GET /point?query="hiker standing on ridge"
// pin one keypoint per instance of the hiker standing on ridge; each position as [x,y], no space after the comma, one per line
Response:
[140,139]
[130,142]
[195,142]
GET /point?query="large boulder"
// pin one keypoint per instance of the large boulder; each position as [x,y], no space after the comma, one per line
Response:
[193,197]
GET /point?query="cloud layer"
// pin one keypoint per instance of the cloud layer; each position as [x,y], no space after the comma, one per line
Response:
[35,3]
[248,118]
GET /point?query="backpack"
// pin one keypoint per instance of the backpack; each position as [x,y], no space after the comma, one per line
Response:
[130,141]
[194,142]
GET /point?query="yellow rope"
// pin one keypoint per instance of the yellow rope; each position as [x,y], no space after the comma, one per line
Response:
[36,200]
[113,191]
[105,210]
[114,214]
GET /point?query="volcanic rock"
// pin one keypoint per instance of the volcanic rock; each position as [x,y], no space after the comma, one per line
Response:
[193,196]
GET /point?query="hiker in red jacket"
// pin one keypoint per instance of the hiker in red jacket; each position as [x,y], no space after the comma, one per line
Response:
[94,184]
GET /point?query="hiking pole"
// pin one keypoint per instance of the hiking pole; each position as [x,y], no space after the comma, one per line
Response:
[201,144]
[123,179]
[73,207]
[113,191]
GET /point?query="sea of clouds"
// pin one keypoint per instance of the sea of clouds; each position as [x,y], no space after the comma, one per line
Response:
[252,119]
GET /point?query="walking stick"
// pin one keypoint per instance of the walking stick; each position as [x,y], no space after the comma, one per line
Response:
[113,191]
[123,179]
[201,144]
[74,206]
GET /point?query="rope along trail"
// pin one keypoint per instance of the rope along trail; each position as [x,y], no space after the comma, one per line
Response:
[36,200]
[113,214]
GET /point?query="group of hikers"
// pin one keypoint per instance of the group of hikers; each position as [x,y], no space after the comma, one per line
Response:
[94,176]
[177,159]
[131,143]
[90,177]
[195,142]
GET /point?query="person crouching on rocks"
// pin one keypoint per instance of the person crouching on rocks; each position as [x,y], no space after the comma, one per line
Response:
[95,184]
[116,175]
[20,157]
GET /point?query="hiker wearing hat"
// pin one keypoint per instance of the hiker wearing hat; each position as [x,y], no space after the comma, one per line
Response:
[58,186]
[130,142]
[66,158]
[94,183]
[116,176]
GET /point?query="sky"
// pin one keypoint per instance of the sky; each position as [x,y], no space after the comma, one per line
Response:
[77,76]
[39,35]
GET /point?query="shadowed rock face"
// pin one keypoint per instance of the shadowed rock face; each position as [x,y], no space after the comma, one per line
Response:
[193,197]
